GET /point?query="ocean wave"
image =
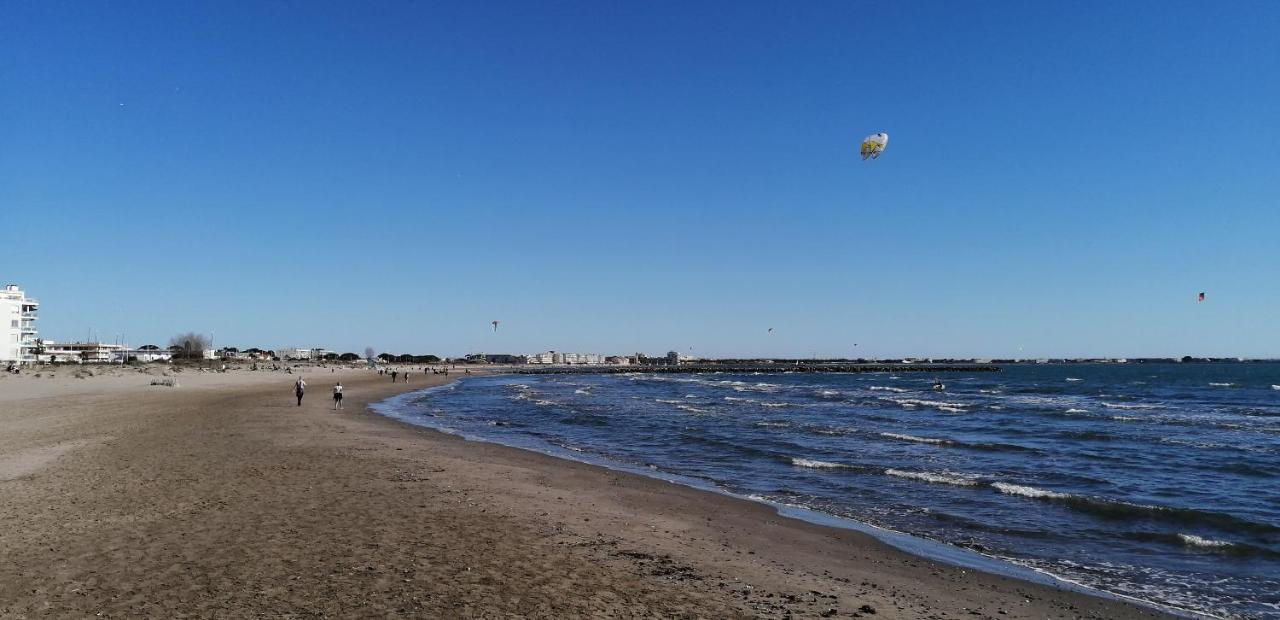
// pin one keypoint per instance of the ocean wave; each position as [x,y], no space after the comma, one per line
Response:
[951,409]
[772,424]
[668,401]
[691,409]
[920,402]
[991,391]
[816,464]
[1076,410]
[776,405]
[1196,541]
[827,394]
[1134,406]
[738,399]
[1115,509]
[915,439]
[885,388]
[1074,379]
[586,391]
[1025,491]
[1213,384]
[1126,418]
[1275,387]
[545,403]
[962,480]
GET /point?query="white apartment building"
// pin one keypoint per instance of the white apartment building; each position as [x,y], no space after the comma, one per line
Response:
[292,353]
[17,326]
[557,357]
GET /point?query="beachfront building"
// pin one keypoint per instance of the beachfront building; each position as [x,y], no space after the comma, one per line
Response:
[293,353]
[146,353]
[18,336]
[80,352]
[561,358]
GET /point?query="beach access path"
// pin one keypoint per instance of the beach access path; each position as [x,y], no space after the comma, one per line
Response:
[222,498]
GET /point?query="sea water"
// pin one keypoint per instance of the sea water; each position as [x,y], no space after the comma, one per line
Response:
[1159,482]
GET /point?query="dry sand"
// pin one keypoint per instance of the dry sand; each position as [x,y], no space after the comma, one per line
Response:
[221,498]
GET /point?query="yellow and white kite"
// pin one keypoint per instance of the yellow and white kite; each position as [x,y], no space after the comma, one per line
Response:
[873,145]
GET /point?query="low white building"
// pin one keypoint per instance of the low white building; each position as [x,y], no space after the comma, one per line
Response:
[17,326]
[146,353]
[80,352]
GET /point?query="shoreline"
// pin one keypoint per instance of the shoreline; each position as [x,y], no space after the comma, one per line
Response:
[904,542]
[223,498]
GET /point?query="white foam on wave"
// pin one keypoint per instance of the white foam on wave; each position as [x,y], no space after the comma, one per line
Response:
[961,480]
[920,402]
[1074,410]
[768,424]
[545,403]
[1025,491]
[690,409]
[776,405]
[1133,406]
[1196,541]
[815,464]
[951,409]
[1074,379]
[991,391]
[738,399]
[1275,387]
[914,438]
[582,391]
[886,388]
[1221,384]
[1126,418]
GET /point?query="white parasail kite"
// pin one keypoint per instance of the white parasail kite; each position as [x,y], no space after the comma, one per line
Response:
[873,145]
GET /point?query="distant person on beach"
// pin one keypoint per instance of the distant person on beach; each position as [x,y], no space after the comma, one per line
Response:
[298,389]
[337,395]
[394,374]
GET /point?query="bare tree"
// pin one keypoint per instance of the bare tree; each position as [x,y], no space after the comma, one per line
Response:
[189,345]
[369,353]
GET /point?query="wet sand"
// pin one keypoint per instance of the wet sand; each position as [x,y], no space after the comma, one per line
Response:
[221,498]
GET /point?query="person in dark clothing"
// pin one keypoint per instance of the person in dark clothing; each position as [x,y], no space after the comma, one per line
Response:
[298,388]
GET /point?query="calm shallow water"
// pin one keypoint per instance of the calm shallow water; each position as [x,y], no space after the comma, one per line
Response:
[1152,481]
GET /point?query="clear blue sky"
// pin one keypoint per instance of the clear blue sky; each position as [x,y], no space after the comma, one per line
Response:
[612,177]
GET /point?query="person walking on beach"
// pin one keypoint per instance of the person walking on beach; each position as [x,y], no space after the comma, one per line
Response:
[298,389]
[337,395]
[394,375]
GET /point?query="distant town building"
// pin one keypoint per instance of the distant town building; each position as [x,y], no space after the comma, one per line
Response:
[291,353]
[18,335]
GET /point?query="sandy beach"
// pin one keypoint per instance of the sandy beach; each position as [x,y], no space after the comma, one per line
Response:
[221,498]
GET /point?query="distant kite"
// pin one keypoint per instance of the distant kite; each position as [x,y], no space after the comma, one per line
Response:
[495,326]
[770,330]
[873,145]
[1201,297]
